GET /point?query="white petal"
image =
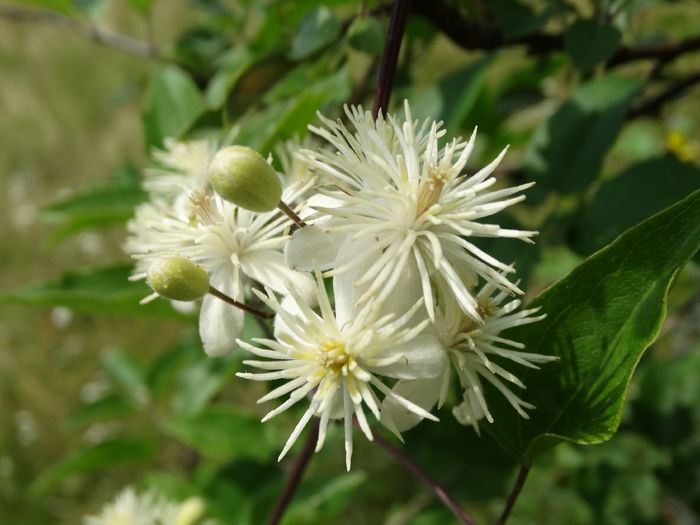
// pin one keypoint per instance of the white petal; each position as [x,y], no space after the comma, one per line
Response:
[268,267]
[422,392]
[220,324]
[421,357]
[311,248]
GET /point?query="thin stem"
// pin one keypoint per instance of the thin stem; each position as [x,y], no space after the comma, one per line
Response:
[423,476]
[295,475]
[653,105]
[290,213]
[225,298]
[514,493]
[105,37]
[390,57]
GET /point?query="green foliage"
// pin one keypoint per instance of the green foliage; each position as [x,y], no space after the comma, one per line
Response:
[173,103]
[590,42]
[102,205]
[319,28]
[601,318]
[97,290]
[567,150]
[367,34]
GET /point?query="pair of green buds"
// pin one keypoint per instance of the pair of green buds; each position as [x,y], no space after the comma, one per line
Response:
[239,175]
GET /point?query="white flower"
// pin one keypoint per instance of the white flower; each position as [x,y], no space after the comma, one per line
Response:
[184,168]
[232,244]
[390,182]
[130,508]
[475,352]
[336,359]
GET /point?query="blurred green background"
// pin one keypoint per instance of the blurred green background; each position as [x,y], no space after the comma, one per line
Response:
[92,402]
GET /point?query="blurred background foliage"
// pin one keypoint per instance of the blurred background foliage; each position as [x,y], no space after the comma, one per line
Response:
[598,101]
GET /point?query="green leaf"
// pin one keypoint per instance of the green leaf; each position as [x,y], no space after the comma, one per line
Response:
[61,6]
[223,432]
[590,42]
[567,150]
[144,6]
[107,454]
[201,381]
[600,319]
[367,34]
[173,103]
[460,91]
[326,501]
[318,28]
[107,408]
[104,290]
[636,194]
[127,374]
[104,205]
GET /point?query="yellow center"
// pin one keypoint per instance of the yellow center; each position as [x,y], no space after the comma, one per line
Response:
[333,357]
[430,191]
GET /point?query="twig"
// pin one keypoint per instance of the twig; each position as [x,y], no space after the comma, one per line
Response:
[105,37]
[514,493]
[423,476]
[225,298]
[295,474]
[653,104]
[390,57]
[475,36]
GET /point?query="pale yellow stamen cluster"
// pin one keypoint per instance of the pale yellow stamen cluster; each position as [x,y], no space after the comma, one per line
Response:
[334,358]
[431,190]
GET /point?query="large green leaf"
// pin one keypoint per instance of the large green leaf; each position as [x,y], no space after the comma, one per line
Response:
[106,454]
[600,319]
[200,381]
[567,150]
[634,195]
[224,432]
[590,42]
[104,290]
[459,92]
[102,205]
[173,103]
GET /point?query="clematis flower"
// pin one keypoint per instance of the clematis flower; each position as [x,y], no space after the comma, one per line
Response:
[390,182]
[338,360]
[477,353]
[235,246]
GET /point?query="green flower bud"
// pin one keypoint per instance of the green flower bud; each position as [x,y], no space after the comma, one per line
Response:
[242,176]
[177,278]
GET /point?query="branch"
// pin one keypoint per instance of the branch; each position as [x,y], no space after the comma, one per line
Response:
[104,37]
[652,106]
[423,476]
[300,463]
[514,493]
[390,57]
[474,36]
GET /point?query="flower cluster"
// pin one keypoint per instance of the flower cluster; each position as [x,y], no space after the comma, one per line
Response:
[390,217]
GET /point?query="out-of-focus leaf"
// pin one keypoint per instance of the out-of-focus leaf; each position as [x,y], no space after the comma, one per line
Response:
[198,48]
[104,290]
[590,42]
[109,407]
[460,91]
[173,103]
[223,432]
[201,381]
[600,319]
[318,28]
[231,67]
[104,205]
[567,150]
[516,18]
[62,6]
[127,374]
[162,372]
[326,501]
[106,454]
[367,34]
[141,5]
[641,191]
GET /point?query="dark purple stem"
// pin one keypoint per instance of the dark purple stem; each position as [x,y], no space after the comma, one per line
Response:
[295,475]
[387,68]
[514,493]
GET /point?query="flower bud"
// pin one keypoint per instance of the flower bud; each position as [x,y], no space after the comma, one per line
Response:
[177,278]
[242,176]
